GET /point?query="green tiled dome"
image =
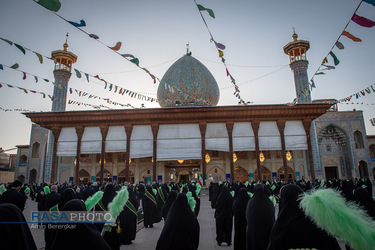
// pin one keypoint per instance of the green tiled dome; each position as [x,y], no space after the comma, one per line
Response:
[193,85]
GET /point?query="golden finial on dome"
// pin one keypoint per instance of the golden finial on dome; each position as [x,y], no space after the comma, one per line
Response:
[294,36]
[187,48]
[66,42]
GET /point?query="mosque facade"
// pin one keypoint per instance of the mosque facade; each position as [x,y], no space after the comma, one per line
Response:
[186,139]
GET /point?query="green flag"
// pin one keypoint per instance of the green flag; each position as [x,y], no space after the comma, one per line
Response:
[53,5]
[335,59]
[210,12]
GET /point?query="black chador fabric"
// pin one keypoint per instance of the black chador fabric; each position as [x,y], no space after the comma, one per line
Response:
[161,197]
[141,191]
[347,190]
[14,235]
[14,197]
[293,229]
[224,216]
[260,217]
[150,208]
[66,195]
[216,188]
[239,212]
[181,228]
[363,198]
[79,235]
[168,203]
[128,219]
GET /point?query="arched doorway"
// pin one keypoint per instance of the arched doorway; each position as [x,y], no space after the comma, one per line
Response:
[266,174]
[281,174]
[240,174]
[121,176]
[83,176]
[146,176]
[32,176]
[363,171]
[216,174]
[334,141]
[107,177]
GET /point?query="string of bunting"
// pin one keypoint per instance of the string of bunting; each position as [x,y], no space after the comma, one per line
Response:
[55,5]
[71,102]
[367,91]
[79,73]
[26,91]
[71,90]
[362,21]
[325,66]
[15,110]
[220,47]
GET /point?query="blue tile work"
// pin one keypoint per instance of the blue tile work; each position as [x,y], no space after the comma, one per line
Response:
[193,85]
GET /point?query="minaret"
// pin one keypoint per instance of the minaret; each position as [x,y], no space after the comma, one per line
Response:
[296,50]
[299,64]
[63,67]
[64,60]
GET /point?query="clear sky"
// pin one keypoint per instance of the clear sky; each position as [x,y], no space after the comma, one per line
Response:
[156,32]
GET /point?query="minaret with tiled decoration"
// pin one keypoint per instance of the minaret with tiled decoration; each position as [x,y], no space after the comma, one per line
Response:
[64,60]
[296,50]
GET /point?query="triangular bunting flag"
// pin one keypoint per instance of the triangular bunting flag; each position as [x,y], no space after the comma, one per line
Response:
[116,47]
[20,48]
[335,59]
[350,36]
[135,61]
[210,12]
[40,57]
[362,21]
[81,24]
[53,5]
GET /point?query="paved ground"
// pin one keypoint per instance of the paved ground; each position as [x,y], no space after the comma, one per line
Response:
[147,237]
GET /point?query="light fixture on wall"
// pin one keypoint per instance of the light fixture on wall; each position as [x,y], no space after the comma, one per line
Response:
[207,158]
[100,161]
[180,161]
[234,157]
[289,156]
[152,159]
[261,156]
[130,160]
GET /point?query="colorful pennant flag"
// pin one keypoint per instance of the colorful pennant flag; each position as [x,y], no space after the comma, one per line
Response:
[362,21]
[116,47]
[135,61]
[350,36]
[53,5]
[40,57]
[93,36]
[20,48]
[78,74]
[7,41]
[339,45]
[81,24]
[210,12]
[335,59]
[14,66]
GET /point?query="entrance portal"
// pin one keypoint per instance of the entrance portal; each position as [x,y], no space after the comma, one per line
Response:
[331,173]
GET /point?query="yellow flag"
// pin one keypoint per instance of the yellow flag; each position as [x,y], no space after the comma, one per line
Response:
[221,54]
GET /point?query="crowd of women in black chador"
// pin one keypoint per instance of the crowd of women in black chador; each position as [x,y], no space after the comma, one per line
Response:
[253,209]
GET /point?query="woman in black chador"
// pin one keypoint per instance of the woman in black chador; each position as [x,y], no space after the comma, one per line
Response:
[128,218]
[260,216]
[168,203]
[363,198]
[111,237]
[15,235]
[181,228]
[293,229]
[224,216]
[239,212]
[150,208]
[78,235]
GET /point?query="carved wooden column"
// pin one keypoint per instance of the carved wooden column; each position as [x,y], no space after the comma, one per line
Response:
[281,127]
[230,130]
[128,130]
[255,126]
[307,125]
[56,133]
[79,131]
[104,132]
[202,128]
[155,130]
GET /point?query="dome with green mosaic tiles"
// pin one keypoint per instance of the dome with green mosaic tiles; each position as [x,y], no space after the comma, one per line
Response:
[188,83]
